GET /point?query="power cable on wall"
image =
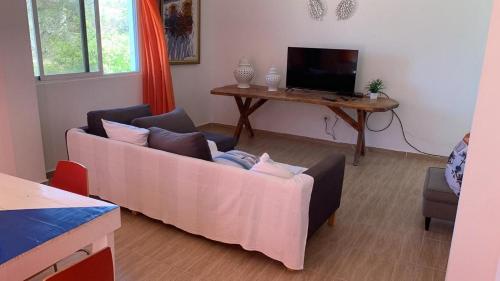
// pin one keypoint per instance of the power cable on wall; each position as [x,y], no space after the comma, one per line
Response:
[393,113]
[332,131]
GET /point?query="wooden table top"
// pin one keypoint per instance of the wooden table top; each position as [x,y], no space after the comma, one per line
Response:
[382,104]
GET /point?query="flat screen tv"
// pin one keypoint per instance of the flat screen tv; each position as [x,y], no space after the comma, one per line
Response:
[330,70]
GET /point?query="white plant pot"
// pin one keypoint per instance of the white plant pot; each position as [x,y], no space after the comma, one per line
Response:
[374,96]
[273,79]
[244,74]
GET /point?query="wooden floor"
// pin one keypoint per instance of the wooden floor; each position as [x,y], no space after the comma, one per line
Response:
[378,235]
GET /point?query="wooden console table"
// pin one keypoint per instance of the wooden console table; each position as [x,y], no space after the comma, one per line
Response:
[260,93]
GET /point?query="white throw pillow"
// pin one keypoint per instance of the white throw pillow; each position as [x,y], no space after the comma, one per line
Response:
[267,166]
[213,149]
[126,133]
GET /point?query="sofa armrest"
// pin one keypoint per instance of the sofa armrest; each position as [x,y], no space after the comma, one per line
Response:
[328,177]
[84,128]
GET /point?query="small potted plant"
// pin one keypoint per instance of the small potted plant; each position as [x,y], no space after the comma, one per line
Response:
[374,88]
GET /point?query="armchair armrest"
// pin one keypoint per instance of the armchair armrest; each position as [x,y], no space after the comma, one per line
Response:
[328,177]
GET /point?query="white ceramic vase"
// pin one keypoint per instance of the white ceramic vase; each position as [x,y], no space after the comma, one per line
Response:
[244,73]
[273,79]
[374,96]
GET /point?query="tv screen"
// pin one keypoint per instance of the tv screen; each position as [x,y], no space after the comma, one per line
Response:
[322,69]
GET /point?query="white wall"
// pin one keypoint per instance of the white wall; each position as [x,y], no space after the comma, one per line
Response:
[429,53]
[7,159]
[64,105]
[192,83]
[20,135]
[475,250]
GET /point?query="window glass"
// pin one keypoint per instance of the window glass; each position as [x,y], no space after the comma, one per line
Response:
[72,39]
[90,24]
[118,35]
[60,36]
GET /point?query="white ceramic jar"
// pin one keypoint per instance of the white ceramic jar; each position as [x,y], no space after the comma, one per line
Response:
[244,73]
[273,79]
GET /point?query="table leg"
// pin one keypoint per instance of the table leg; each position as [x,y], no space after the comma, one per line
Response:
[360,144]
[106,241]
[246,109]
[359,126]
[363,130]
[243,121]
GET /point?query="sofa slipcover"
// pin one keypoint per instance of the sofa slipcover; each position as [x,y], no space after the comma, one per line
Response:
[259,212]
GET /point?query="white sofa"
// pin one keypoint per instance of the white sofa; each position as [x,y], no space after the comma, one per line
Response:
[257,211]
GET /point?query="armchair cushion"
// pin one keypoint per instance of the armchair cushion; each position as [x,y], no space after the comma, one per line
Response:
[436,188]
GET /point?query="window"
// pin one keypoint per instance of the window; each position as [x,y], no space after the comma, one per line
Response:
[118,35]
[82,37]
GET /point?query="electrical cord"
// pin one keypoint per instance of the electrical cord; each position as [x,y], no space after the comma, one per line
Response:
[332,133]
[380,130]
[393,113]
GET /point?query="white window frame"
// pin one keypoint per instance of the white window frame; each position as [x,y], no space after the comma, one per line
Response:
[87,73]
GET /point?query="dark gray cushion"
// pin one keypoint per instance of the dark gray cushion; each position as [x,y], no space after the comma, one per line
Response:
[120,115]
[224,143]
[436,189]
[175,121]
[189,144]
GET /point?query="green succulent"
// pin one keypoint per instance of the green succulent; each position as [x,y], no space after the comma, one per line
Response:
[375,86]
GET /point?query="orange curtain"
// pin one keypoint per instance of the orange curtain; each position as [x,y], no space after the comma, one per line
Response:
[157,86]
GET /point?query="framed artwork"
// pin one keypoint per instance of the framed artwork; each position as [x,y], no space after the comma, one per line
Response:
[181,19]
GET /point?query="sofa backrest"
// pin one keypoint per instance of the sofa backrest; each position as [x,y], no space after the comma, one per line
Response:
[121,115]
[100,156]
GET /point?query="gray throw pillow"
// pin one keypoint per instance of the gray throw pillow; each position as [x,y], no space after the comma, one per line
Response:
[176,121]
[189,144]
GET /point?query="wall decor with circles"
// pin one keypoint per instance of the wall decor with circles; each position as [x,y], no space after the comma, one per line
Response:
[345,9]
[317,9]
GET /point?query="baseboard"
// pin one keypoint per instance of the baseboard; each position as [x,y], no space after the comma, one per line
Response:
[203,125]
[209,126]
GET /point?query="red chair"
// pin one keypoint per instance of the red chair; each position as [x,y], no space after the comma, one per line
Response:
[97,267]
[72,177]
